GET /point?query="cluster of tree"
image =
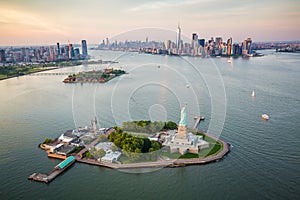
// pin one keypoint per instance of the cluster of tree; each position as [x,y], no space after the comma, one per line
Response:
[47,141]
[104,75]
[130,143]
[72,77]
[94,153]
[118,72]
[102,138]
[146,126]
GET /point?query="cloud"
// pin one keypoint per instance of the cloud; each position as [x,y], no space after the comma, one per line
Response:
[17,20]
[165,4]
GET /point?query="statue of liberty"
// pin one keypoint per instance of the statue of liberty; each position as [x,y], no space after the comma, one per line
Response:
[183,117]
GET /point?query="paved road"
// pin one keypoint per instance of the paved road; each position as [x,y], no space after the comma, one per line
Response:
[86,148]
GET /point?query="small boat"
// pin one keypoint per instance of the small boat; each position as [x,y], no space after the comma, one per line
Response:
[265,117]
[253,94]
[229,60]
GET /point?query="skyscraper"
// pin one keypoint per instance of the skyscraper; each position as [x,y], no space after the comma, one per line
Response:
[218,41]
[229,46]
[194,41]
[247,46]
[58,49]
[52,53]
[201,42]
[178,39]
[71,51]
[2,55]
[84,48]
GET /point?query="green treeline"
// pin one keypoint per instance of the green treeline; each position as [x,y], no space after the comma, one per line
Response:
[130,143]
[134,148]
[146,126]
[118,72]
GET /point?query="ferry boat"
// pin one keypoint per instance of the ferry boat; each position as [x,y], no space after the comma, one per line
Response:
[253,94]
[265,117]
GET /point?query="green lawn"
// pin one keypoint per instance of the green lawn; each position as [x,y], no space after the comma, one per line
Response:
[213,149]
[190,155]
[2,76]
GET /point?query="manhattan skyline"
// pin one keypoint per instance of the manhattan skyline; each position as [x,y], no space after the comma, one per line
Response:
[36,22]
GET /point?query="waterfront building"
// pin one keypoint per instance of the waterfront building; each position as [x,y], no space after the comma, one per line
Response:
[167,44]
[67,52]
[106,146]
[52,56]
[58,49]
[107,43]
[111,156]
[229,46]
[2,55]
[194,40]
[201,42]
[84,48]
[71,51]
[247,46]
[219,41]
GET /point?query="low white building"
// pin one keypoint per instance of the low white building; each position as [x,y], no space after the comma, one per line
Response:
[106,146]
[65,139]
[111,156]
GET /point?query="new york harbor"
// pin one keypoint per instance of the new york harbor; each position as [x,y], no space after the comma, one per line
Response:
[149,99]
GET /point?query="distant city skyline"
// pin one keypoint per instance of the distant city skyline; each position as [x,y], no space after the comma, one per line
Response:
[34,22]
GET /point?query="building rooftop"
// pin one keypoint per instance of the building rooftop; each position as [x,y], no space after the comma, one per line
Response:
[64,163]
[106,146]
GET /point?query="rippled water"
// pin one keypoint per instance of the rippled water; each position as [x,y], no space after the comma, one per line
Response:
[264,161]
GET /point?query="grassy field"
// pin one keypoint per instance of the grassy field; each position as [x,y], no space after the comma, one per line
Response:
[18,71]
[212,150]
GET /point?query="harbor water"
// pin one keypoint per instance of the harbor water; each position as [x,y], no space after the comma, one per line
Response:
[263,162]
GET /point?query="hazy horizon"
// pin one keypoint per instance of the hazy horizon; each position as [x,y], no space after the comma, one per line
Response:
[34,22]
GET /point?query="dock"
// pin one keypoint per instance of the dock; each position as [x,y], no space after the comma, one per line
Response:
[58,169]
[197,121]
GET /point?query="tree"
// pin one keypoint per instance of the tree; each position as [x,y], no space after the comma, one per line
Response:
[47,141]
[88,155]
[146,146]
[102,138]
[113,148]
[101,153]
[171,125]
[155,146]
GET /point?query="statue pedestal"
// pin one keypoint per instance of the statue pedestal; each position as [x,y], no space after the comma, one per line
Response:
[181,132]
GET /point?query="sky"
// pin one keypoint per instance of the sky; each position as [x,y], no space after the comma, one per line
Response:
[37,22]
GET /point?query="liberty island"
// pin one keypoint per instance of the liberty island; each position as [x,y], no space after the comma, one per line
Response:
[168,147]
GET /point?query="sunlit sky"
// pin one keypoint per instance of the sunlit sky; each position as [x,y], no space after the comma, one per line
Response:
[31,22]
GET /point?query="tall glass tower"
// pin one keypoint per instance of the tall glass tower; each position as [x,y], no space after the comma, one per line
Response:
[178,39]
[84,48]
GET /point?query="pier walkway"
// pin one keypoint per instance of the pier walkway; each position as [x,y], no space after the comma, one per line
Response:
[51,74]
[58,169]
[197,121]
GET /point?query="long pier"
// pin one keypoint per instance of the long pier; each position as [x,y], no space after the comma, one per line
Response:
[51,74]
[58,169]
[197,121]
